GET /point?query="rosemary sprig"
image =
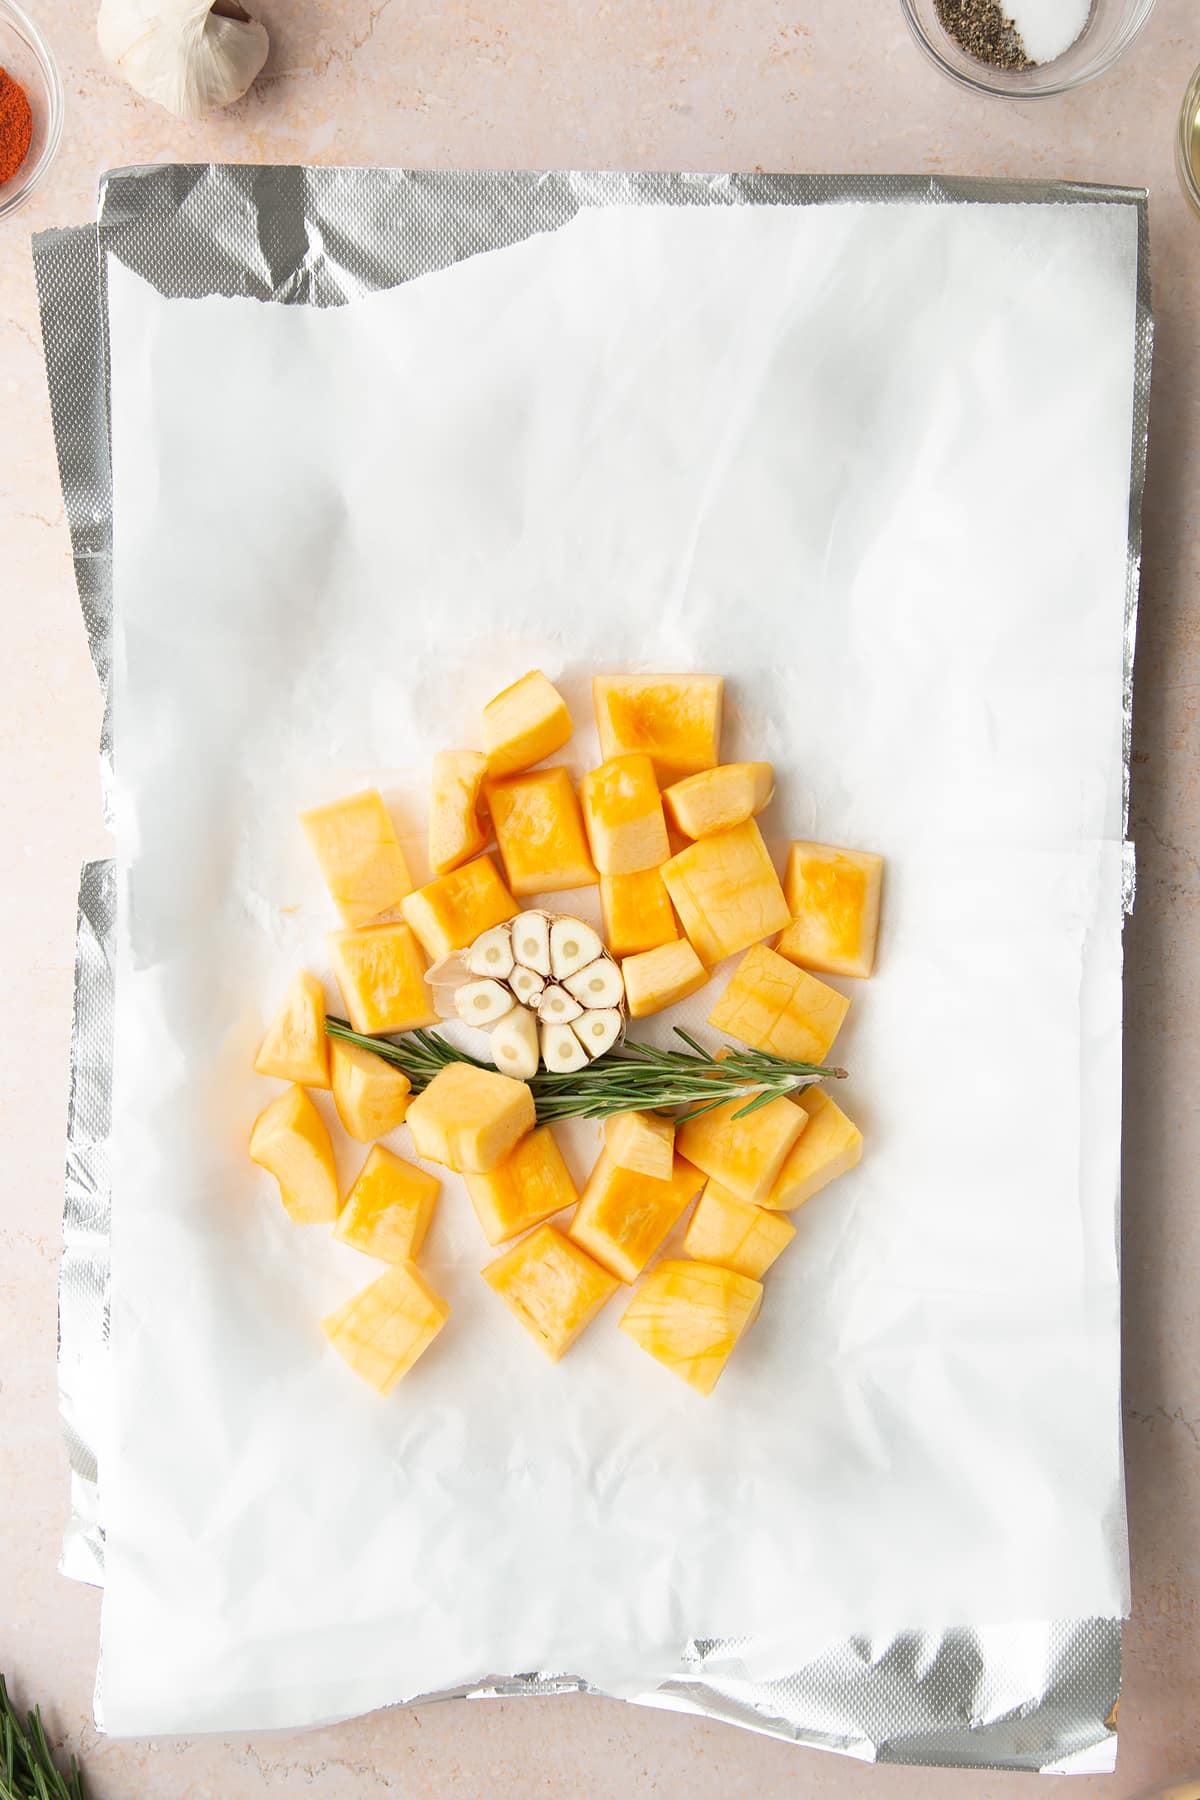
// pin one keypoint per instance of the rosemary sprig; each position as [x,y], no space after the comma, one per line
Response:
[634,1078]
[27,1769]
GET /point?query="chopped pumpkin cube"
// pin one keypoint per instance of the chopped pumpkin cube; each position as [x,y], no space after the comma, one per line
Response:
[526,723]
[552,1286]
[726,892]
[370,1095]
[381,1331]
[744,1155]
[354,841]
[623,1217]
[296,1047]
[643,1141]
[658,978]
[456,831]
[771,1005]
[290,1140]
[719,798]
[830,1146]
[675,719]
[387,1211]
[736,1235]
[539,829]
[623,811]
[689,1316]
[450,912]
[381,974]
[469,1118]
[530,1185]
[834,900]
[637,912]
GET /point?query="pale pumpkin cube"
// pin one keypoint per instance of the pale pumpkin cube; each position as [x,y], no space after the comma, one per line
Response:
[623,1217]
[290,1141]
[456,831]
[726,892]
[355,843]
[830,1146]
[450,912]
[675,719]
[381,1331]
[381,973]
[469,1119]
[834,900]
[552,1286]
[658,978]
[734,1234]
[370,1095]
[539,829]
[387,1211]
[530,1185]
[689,1316]
[623,812]
[719,798]
[771,1005]
[642,1141]
[523,725]
[296,1047]
[637,912]
[744,1155]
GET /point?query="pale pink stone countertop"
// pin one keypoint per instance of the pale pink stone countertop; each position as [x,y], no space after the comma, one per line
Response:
[819,85]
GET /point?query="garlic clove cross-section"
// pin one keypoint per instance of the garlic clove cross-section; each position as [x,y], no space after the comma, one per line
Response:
[600,984]
[492,954]
[557,1007]
[562,1051]
[598,1031]
[483,1003]
[516,1048]
[573,945]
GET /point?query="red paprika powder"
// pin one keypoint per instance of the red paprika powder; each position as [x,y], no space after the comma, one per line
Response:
[16,126]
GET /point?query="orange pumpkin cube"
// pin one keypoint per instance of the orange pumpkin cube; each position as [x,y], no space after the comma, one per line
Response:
[469,1119]
[637,912]
[734,1234]
[553,1287]
[539,829]
[355,843]
[726,892]
[689,1316]
[834,900]
[642,1141]
[450,912]
[772,1005]
[381,1331]
[381,974]
[526,723]
[371,1095]
[719,798]
[456,831]
[530,1185]
[623,1216]
[659,978]
[291,1142]
[623,812]
[830,1146]
[744,1155]
[387,1211]
[675,719]
[296,1047]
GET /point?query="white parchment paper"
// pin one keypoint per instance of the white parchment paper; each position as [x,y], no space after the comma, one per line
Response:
[871,463]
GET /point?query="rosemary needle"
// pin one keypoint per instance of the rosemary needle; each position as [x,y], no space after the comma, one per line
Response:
[27,1769]
[635,1078]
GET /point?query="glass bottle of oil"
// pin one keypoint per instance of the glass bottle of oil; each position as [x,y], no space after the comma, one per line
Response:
[1187,146]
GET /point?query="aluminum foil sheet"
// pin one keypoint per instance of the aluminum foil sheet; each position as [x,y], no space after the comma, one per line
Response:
[1036,1696]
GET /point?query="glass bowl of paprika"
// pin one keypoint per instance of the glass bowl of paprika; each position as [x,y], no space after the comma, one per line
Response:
[31,107]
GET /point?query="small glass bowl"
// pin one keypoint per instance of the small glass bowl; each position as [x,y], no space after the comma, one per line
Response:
[25,55]
[1187,143]
[1110,30]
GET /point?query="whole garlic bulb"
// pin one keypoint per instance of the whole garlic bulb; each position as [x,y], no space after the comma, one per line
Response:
[188,55]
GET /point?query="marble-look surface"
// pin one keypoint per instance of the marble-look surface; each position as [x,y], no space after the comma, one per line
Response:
[704,84]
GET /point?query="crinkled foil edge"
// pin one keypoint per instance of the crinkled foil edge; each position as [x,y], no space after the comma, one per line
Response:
[324,237]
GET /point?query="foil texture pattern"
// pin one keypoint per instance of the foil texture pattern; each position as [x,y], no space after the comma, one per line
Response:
[1039,1696]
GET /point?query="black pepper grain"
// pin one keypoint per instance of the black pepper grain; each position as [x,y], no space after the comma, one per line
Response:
[982,29]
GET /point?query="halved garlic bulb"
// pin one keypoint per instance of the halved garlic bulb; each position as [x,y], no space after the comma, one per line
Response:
[545,970]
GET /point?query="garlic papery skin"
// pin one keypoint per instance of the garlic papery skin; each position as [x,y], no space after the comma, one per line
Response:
[187,55]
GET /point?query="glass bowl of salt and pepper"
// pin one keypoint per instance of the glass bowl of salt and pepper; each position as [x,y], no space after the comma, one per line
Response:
[1024,49]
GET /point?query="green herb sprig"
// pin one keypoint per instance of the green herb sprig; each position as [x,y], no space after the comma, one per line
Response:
[27,1769]
[635,1078]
